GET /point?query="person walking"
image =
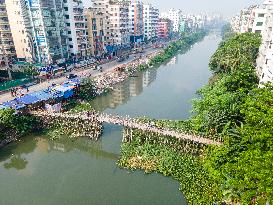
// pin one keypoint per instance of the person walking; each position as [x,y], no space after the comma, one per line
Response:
[12,92]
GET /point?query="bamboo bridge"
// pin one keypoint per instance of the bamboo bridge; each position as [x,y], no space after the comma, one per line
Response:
[128,123]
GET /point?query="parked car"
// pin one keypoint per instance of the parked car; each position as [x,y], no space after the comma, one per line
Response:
[121,59]
[71,76]
[138,50]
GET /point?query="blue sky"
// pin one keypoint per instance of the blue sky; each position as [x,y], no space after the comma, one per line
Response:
[226,7]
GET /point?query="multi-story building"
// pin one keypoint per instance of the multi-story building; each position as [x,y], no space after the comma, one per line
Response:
[165,28]
[22,30]
[116,29]
[76,27]
[7,49]
[95,25]
[150,19]
[175,16]
[265,59]
[245,21]
[119,23]
[136,21]
[259,19]
[48,25]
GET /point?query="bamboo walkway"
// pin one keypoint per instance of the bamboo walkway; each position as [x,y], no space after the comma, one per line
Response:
[129,123]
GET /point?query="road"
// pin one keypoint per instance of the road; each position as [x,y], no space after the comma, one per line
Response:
[106,67]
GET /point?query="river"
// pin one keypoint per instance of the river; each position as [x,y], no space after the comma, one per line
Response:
[36,170]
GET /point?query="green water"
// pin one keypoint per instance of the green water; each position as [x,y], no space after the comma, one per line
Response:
[37,171]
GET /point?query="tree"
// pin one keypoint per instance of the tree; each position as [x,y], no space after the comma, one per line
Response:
[244,165]
[238,50]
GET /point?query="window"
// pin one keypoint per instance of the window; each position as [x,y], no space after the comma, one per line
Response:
[70,46]
[70,39]
[258,31]
[67,16]
[69,32]
[259,24]
[260,15]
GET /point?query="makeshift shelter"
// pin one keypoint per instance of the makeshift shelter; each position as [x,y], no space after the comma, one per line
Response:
[14,104]
[28,99]
[42,95]
[67,92]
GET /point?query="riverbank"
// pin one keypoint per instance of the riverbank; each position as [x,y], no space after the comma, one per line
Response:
[95,86]
[145,153]
[105,82]
[88,168]
[233,109]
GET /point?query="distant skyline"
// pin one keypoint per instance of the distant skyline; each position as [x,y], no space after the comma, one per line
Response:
[225,7]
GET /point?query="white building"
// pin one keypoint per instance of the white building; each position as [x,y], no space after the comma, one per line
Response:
[22,30]
[118,32]
[150,18]
[175,16]
[7,48]
[265,59]
[136,25]
[116,25]
[76,27]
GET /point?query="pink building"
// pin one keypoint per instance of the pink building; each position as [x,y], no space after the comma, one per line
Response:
[165,28]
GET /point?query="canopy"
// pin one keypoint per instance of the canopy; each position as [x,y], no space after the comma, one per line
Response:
[14,104]
[67,91]
[28,99]
[3,107]
[42,95]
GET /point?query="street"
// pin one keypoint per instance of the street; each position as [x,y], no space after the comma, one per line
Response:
[106,67]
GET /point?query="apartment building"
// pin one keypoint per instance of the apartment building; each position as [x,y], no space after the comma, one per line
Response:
[22,30]
[136,21]
[175,15]
[265,59]
[48,25]
[116,29]
[76,27]
[96,27]
[150,20]
[119,23]
[260,20]
[7,48]
[165,28]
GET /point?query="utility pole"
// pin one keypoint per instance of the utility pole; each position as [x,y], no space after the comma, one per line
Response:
[5,57]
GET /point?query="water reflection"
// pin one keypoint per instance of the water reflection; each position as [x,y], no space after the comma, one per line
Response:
[15,156]
[123,92]
[173,61]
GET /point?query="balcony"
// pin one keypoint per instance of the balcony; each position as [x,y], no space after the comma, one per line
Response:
[5,29]
[79,19]
[3,13]
[2,23]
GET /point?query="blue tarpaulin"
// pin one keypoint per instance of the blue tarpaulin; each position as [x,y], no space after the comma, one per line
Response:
[74,81]
[42,95]
[28,99]
[3,107]
[67,92]
[14,104]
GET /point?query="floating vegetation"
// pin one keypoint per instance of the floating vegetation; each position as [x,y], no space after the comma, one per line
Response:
[195,183]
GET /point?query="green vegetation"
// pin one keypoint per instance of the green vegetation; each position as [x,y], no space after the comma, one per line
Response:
[227,32]
[12,124]
[235,52]
[231,108]
[195,182]
[183,44]
[87,90]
